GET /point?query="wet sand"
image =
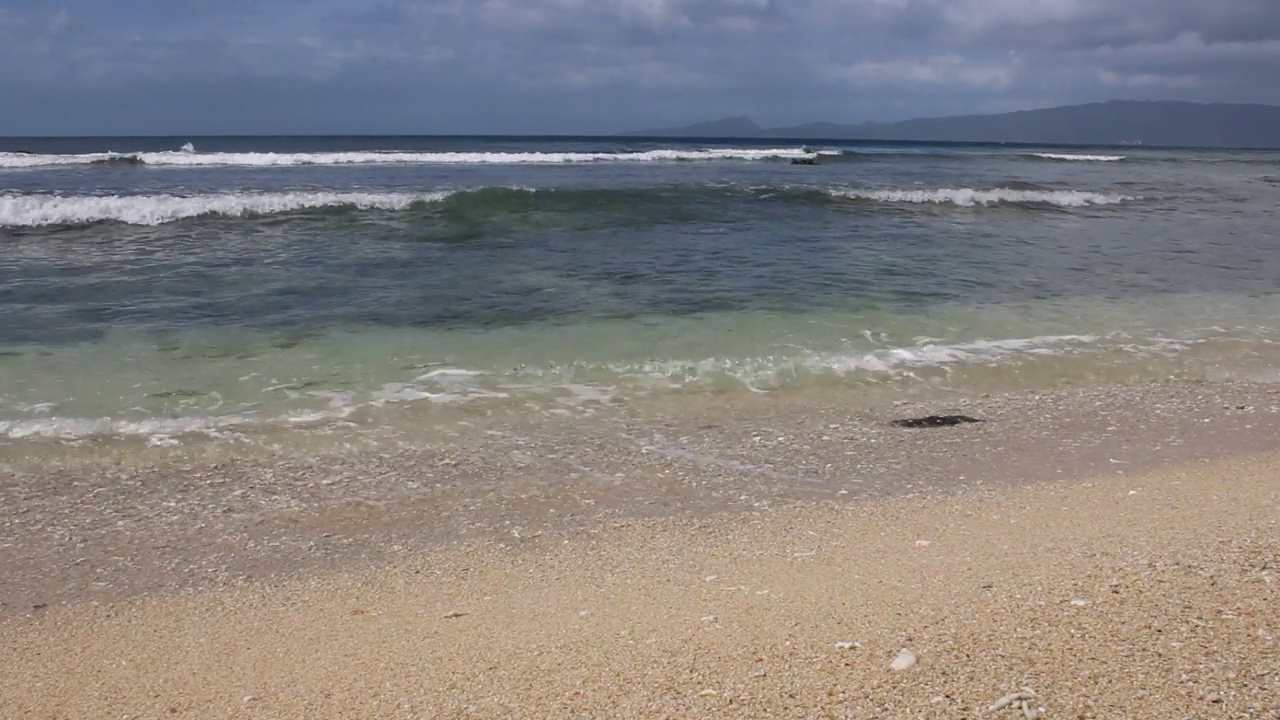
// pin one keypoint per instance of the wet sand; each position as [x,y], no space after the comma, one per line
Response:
[94,523]
[1116,550]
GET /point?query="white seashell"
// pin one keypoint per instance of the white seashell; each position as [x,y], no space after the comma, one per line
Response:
[904,660]
[1010,699]
[1004,702]
[1019,698]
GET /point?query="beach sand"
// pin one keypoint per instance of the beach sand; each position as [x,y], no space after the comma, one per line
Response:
[1138,585]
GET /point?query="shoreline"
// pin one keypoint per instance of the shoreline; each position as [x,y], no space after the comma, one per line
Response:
[1146,595]
[110,531]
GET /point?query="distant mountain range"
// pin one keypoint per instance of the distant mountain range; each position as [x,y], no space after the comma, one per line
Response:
[1115,122]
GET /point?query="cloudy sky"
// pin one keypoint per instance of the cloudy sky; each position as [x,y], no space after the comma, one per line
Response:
[601,66]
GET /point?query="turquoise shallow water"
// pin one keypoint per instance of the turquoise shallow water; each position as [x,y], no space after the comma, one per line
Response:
[302,285]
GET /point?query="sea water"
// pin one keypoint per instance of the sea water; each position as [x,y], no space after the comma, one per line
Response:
[172,289]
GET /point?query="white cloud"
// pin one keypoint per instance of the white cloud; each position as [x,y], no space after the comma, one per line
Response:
[778,60]
[1146,80]
[651,74]
[937,70]
[59,21]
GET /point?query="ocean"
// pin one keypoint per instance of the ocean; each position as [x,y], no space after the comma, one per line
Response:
[171,291]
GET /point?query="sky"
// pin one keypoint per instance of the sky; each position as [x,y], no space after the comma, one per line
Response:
[177,67]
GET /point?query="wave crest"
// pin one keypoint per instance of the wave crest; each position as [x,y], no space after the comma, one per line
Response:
[44,210]
[54,210]
[967,197]
[1079,158]
[191,158]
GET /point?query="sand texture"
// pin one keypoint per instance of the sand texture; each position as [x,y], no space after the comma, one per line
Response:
[111,526]
[1139,596]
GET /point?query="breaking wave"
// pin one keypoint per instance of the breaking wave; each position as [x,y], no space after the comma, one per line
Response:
[43,210]
[950,154]
[967,197]
[651,203]
[558,386]
[190,158]
[773,372]
[1079,158]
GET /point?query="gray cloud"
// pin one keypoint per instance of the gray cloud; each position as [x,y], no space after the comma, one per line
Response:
[606,65]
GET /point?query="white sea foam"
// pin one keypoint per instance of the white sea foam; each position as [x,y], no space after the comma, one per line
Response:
[40,210]
[772,370]
[447,374]
[936,354]
[563,386]
[164,430]
[1080,158]
[29,160]
[70,428]
[192,158]
[967,197]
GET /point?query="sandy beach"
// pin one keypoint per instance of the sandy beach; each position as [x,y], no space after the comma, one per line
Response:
[1109,552]
[417,360]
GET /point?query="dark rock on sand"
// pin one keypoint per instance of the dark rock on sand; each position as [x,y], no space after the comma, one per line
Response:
[932,421]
